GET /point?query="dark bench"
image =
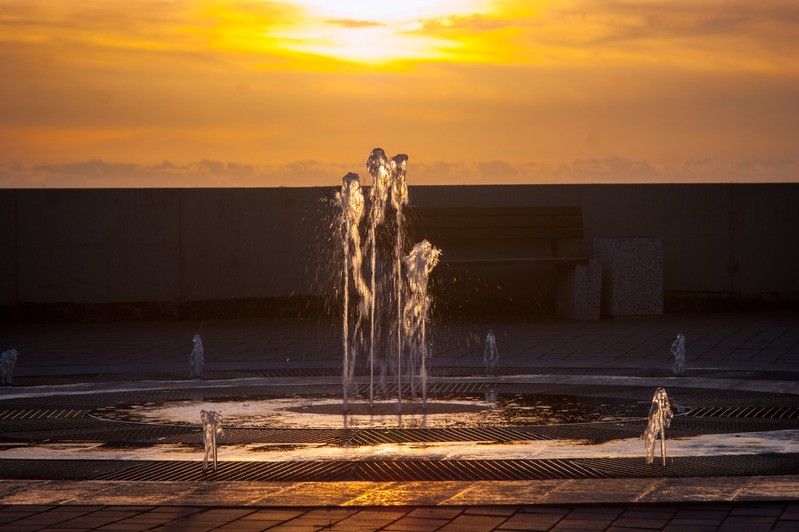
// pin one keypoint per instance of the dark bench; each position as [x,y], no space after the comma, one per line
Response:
[496,235]
[491,244]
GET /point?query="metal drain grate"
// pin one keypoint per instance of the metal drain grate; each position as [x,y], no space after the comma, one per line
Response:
[26,414]
[401,470]
[438,388]
[752,412]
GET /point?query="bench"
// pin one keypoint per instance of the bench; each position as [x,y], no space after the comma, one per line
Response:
[497,236]
[494,235]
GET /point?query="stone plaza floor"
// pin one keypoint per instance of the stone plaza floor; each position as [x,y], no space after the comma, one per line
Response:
[747,355]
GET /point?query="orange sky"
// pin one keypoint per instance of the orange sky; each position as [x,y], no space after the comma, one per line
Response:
[259,93]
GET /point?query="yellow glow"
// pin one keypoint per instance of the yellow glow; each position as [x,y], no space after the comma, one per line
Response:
[375,11]
[373,32]
[364,45]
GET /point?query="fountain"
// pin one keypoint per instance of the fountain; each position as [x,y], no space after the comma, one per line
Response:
[196,358]
[7,362]
[678,352]
[386,309]
[660,416]
[396,306]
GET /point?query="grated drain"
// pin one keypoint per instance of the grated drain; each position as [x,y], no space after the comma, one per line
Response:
[749,412]
[26,414]
[400,470]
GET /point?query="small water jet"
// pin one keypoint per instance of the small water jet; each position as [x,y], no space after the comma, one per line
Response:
[490,353]
[212,427]
[660,416]
[8,360]
[678,352]
[196,358]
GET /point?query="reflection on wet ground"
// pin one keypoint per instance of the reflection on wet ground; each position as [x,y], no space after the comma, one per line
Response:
[467,410]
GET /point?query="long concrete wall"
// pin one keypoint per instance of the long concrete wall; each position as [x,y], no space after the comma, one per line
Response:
[735,242]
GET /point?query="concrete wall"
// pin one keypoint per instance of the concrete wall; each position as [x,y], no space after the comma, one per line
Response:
[89,246]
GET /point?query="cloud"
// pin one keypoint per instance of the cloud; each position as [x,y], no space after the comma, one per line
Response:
[497,172]
[96,173]
[462,23]
[695,26]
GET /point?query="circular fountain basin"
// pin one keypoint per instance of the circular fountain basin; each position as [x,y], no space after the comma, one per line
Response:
[328,412]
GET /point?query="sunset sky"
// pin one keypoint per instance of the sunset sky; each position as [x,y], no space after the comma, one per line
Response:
[295,93]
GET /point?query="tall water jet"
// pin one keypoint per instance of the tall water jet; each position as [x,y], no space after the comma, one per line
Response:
[399,200]
[378,167]
[678,352]
[419,263]
[351,202]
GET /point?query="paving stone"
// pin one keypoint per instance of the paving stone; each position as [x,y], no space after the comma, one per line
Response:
[247,526]
[696,522]
[184,528]
[649,511]
[123,527]
[10,517]
[531,521]
[312,522]
[490,510]
[294,527]
[702,514]
[473,522]
[273,514]
[769,510]
[602,512]
[342,527]
[418,524]
[640,522]
[784,526]
[437,512]
[86,522]
[144,519]
[559,510]
[614,528]
[371,519]
[748,523]
[582,524]
[177,511]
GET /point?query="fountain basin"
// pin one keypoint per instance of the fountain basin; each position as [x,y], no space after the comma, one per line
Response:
[327,412]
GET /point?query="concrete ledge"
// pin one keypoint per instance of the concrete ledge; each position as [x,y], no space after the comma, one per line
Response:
[579,292]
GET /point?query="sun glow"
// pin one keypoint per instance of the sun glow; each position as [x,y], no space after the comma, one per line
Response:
[375,32]
[385,11]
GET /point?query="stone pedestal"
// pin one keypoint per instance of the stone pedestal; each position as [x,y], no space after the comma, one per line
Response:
[578,292]
[632,276]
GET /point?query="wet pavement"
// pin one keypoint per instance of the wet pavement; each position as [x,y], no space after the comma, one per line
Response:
[746,353]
